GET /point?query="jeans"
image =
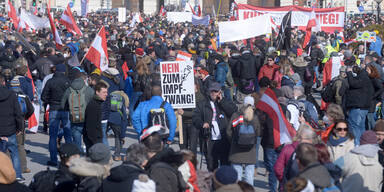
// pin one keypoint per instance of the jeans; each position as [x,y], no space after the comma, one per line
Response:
[356,122]
[12,147]
[249,172]
[270,157]
[228,94]
[39,86]
[55,118]
[133,100]
[104,126]
[117,132]
[370,121]
[77,132]
[257,151]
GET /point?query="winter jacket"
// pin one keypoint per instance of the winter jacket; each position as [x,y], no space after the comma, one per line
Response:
[77,84]
[361,169]
[238,154]
[221,73]
[92,122]
[26,86]
[230,188]
[116,83]
[162,168]
[267,139]
[376,46]
[64,179]
[234,63]
[379,69]
[122,177]
[29,107]
[286,81]
[318,175]
[203,114]
[248,67]
[282,160]
[340,86]
[378,91]
[335,152]
[43,67]
[140,116]
[360,91]
[268,71]
[11,118]
[120,117]
[54,91]
[91,174]
[15,186]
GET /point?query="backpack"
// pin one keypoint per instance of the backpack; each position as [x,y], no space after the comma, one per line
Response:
[328,93]
[43,181]
[21,99]
[309,111]
[77,104]
[117,101]
[291,170]
[182,186]
[158,116]
[244,134]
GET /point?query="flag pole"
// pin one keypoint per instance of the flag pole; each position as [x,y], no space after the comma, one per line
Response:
[89,47]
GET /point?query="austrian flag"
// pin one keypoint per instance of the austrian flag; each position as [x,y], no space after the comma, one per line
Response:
[69,22]
[97,53]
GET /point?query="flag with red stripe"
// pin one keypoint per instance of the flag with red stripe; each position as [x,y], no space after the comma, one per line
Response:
[282,129]
[56,35]
[97,53]
[312,23]
[13,14]
[125,70]
[331,70]
[33,122]
[69,22]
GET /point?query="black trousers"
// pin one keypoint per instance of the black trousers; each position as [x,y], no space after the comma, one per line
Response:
[216,153]
[190,136]
[117,132]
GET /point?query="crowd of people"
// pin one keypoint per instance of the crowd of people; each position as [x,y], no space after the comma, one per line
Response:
[337,145]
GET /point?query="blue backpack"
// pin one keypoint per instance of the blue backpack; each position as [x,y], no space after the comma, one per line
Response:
[244,134]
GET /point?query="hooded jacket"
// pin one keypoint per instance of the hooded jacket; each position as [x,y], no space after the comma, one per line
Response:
[318,175]
[360,91]
[77,84]
[248,67]
[122,177]
[361,169]
[221,73]
[335,152]
[8,176]
[54,90]
[91,174]
[11,117]
[92,122]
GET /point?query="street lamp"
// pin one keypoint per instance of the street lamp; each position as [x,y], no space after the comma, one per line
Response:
[378,10]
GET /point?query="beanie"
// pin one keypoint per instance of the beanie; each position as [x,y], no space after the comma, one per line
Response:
[60,68]
[368,137]
[226,175]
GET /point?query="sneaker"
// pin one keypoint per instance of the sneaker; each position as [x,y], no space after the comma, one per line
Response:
[51,163]
[20,179]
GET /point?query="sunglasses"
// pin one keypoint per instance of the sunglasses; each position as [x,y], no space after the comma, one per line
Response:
[342,129]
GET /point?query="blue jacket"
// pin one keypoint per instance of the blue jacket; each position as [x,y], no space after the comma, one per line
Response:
[106,106]
[26,87]
[221,73]
[376,46]
[140,117]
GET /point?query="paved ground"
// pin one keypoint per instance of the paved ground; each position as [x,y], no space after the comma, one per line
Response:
[38,145]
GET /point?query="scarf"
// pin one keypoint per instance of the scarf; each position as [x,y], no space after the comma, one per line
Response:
[335,140]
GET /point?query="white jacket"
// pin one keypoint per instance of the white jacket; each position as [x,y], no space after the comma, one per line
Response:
[362,171]
[340,150]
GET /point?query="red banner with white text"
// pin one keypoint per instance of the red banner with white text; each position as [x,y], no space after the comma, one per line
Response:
[330,19]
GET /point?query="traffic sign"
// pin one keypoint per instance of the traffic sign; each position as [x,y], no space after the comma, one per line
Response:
[361,8]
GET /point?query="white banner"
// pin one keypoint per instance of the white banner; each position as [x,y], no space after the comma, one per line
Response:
[179,17]
[33,21]
[122,17]
[244,29]
[177,83]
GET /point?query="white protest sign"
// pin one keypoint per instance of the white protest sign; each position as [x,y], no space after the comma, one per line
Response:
[366,36]
[122,17]
[177,83]
[230,30]
[179,17]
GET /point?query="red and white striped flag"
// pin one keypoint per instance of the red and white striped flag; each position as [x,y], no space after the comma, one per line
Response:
[183,56]
[97,53]
[125,69]
[312,26]
[69,22]
[55,33]
[13,14]
[331,70]
[282,129]
[162,11]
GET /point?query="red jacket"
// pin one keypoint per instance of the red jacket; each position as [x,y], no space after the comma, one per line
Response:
[283,158]
[268,71]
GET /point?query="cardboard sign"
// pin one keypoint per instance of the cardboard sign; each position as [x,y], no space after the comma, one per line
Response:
[366,36]
[177,83]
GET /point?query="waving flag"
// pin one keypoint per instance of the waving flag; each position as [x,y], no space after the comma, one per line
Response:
[55,33]
[13,15]
[69,22]
[84,8]
[193,11]
[162,11]
[282,129]
[97,53]
[125,69]
[312,26]
[234,12]
[284,38]
[199,11]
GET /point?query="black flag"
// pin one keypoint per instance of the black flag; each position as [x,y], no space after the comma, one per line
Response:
[284,38]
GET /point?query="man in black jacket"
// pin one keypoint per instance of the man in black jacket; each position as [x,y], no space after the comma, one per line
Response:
[12,123]
[52,94]
[358,100]
[211,116]
[93,132]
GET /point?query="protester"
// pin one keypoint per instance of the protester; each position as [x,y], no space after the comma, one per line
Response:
[225,179]
[340,140]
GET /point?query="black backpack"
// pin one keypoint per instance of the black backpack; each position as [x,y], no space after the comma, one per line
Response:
[44,181]
[328,92]
[244,134]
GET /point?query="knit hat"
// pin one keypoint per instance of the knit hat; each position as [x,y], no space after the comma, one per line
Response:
[379,126]
[368,137]
[225,175]
[248,100]
[140,52]
[99,153]
[68,149]
[61,68]
[112,71]
[7,173]
[215,86]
